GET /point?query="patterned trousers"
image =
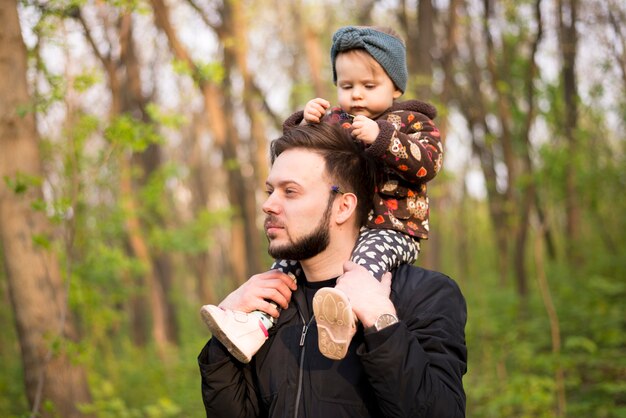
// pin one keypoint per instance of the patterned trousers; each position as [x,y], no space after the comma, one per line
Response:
[378,250]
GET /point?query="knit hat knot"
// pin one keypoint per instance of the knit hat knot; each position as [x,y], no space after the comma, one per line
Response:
[348,38]
[386,49]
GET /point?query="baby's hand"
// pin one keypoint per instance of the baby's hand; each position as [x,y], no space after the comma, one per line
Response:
[365,129]
[315,109]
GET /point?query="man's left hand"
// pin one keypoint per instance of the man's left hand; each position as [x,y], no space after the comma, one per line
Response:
[369,297]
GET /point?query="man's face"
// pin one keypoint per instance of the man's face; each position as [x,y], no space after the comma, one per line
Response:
[299,206]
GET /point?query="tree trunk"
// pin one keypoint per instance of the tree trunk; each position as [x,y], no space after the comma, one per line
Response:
[244,234]
[236,53]
[36,291]
[315,56]
[474,105]
[568,38]
[497,68]
[426,41]
[200,180]
[124,77]
[421,65]
[149,162]
[528,196]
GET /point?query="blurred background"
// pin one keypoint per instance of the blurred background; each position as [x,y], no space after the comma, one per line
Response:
[134,147]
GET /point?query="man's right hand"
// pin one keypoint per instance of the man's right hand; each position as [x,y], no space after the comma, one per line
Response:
[259,290]
[315,109]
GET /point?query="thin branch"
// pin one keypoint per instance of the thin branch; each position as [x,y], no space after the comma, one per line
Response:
[204,16]
[274,117]
[106,60]
[617,27]
[555,331]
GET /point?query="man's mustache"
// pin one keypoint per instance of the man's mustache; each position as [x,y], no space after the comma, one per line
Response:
[272,222]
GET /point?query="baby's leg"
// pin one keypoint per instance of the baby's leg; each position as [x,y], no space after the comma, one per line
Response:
[244,333]
[288,266]
[381,250]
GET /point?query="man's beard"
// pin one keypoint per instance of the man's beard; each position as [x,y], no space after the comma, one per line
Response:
[309,245]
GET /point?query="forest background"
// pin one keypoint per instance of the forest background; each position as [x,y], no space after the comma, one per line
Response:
[133,150]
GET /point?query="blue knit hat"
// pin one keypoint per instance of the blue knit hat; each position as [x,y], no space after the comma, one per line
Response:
[387,50]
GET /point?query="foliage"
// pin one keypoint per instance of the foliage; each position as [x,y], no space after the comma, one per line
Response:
[513,363]
[141,385]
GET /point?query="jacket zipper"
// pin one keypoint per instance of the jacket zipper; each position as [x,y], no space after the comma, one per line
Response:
[305,328]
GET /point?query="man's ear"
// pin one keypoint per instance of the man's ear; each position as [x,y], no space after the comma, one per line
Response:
[346,207]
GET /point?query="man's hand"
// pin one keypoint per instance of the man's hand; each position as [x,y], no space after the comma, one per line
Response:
[256,293]
[315,109]
[365,129]
[369,297]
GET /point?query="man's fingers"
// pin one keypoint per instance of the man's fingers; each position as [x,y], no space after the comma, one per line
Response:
[270,308]
[386,282]
[280,296]
[285,278]
[386,279]
[349,266]
[270,285]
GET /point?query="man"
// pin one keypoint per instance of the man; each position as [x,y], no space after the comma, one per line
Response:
[409,356]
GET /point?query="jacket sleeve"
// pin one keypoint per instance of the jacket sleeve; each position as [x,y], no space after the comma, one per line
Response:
[409,143]
[227,387]
[416,366]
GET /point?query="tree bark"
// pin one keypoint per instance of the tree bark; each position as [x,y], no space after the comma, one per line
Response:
[36,290]
[124,78]
[426,42]
[568,39]
[528,196]
[309,38]
[236,53]
[218,107]
[474,104]
[200,180]
[420,63]
[149,162]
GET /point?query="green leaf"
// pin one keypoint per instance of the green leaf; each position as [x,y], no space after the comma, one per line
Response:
[21,182]
[41,241]
[131,133]
[577,343]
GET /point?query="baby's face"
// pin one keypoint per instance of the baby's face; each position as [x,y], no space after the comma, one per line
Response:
[363,87]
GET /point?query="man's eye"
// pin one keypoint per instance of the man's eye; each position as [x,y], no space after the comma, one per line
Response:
[268,192]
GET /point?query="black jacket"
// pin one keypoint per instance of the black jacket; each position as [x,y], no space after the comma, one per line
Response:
[410,369]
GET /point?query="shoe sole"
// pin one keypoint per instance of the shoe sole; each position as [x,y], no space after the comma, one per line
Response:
[336,323]
[218,333]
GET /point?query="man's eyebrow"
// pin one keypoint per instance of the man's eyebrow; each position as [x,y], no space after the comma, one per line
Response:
[282,183]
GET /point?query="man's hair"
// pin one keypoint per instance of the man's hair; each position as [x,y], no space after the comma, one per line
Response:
[347,164]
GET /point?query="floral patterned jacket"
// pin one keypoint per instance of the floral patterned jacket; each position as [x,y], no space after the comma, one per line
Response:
[410,150]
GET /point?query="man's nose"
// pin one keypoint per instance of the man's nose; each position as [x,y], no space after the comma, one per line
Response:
[270,204]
